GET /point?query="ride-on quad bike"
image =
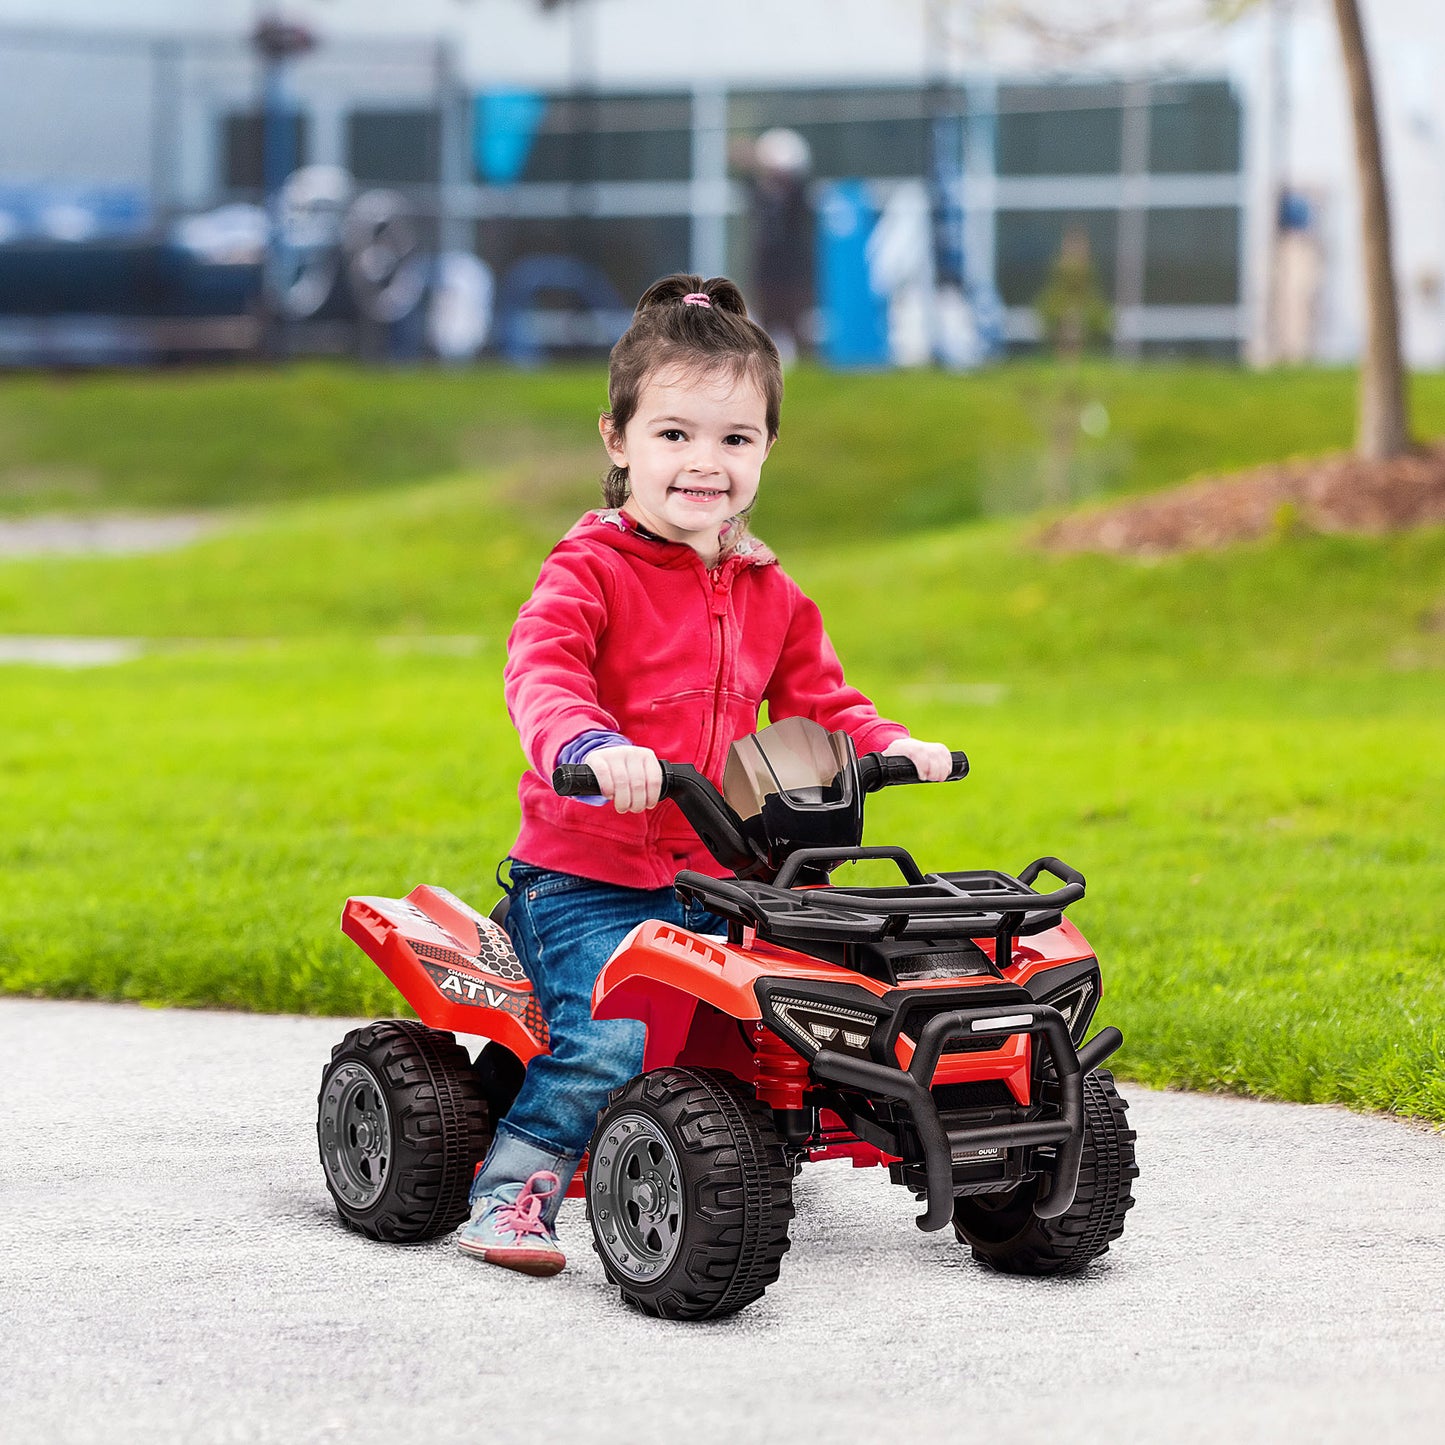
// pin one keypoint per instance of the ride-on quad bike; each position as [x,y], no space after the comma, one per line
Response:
[932,1026]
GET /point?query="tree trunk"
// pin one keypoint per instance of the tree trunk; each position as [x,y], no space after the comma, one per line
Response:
[1384,428]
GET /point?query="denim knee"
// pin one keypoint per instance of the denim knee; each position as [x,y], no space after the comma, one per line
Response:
[614,1051]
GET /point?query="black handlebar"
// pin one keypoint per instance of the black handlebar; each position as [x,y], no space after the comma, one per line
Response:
[577,780]
[875,770]
[714,821]
[702,805]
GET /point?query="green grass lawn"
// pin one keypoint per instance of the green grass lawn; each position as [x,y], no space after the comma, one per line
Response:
[1244,752]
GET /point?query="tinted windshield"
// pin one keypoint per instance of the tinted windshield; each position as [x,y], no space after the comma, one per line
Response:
[792,754]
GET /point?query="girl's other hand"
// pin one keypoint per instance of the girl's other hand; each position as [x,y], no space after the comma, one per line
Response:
[933,760]
[630,777]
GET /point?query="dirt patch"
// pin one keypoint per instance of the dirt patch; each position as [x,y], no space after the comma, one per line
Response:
[1330,494]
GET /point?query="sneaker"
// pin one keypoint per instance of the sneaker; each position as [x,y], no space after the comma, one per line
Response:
[507,1227]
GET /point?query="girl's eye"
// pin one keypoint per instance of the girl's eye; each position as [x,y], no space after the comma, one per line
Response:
[737,441]
[671,435]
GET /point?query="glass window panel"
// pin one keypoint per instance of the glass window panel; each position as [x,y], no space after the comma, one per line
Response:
[1028,244]
[758,110]
[551,158]
[875,132]
[242,137]
[1194,129]
[1191,257]
[393,147]
[877,148]
[740,247]
[613,138]
[632,252]
[1191,350]
[1060,130]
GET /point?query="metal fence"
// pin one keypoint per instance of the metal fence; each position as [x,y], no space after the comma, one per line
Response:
[106,135]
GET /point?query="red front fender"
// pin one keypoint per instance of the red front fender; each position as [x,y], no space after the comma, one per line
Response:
[660,973]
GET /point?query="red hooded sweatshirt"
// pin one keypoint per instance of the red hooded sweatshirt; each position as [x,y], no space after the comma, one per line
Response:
[629,633]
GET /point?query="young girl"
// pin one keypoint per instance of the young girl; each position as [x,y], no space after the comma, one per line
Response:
[657,628]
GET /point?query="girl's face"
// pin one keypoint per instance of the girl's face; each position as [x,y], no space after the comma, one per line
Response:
[693,452]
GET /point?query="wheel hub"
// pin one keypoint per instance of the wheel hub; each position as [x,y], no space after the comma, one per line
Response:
[355,1134]
[635,1196]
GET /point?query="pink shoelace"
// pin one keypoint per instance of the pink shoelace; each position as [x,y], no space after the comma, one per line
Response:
[525,1216]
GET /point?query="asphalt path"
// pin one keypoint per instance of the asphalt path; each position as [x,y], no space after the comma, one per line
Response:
[172,1271]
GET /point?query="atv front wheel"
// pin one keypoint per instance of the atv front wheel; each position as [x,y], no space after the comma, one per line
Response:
[689,1194]
[1006,1234]
[401,1124]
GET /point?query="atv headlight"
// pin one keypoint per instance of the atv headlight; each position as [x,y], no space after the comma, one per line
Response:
[814,1024]
[1077,1003]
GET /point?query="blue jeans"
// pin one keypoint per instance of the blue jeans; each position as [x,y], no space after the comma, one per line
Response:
[564,928]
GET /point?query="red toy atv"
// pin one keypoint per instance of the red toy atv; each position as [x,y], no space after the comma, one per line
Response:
[933,1027]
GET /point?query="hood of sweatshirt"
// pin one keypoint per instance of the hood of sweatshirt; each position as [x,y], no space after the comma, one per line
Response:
[614,528]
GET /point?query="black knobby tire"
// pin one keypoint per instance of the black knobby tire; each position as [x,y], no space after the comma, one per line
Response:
[401,1125]
[1005,1233]
[714,1229]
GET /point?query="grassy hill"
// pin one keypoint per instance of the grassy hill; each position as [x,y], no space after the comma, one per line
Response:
[1244,752]
[890,453]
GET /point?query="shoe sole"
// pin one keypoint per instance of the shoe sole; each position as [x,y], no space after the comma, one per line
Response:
[535,1262]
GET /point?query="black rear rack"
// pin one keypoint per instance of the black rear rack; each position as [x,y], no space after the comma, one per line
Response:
[933,905]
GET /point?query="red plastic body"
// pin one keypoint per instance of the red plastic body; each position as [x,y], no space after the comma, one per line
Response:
[694,994]
[452,965]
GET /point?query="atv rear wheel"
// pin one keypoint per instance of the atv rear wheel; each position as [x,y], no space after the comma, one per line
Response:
[689,1194]
[1006,1234]
[401,1124]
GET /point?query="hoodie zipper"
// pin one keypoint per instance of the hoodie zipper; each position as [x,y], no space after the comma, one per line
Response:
[718,590]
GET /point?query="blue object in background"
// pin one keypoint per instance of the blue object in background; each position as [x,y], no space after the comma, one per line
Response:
[1295,212]
[519,328]
[945,197]
[854,316]
[54,211]
[120,278]
[504,125]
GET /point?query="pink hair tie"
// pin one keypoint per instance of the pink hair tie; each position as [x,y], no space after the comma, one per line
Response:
[696,298]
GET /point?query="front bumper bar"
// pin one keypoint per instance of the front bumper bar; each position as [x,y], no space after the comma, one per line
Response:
[910,1087]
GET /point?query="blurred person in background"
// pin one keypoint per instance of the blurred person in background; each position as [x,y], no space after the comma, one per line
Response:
[783,240]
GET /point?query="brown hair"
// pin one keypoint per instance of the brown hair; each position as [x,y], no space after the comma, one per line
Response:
[668,332]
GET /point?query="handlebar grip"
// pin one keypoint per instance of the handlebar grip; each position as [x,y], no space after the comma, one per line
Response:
[895,770]
[888,772]
[574,780]
[577,780]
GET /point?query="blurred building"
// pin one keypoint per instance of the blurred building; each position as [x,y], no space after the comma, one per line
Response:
[583,148]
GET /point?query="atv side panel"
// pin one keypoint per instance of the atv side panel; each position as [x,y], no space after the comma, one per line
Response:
[456,968]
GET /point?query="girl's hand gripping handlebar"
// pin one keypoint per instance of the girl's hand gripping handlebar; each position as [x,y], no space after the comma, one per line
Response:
[577,780]
[702,805]
[878,770]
